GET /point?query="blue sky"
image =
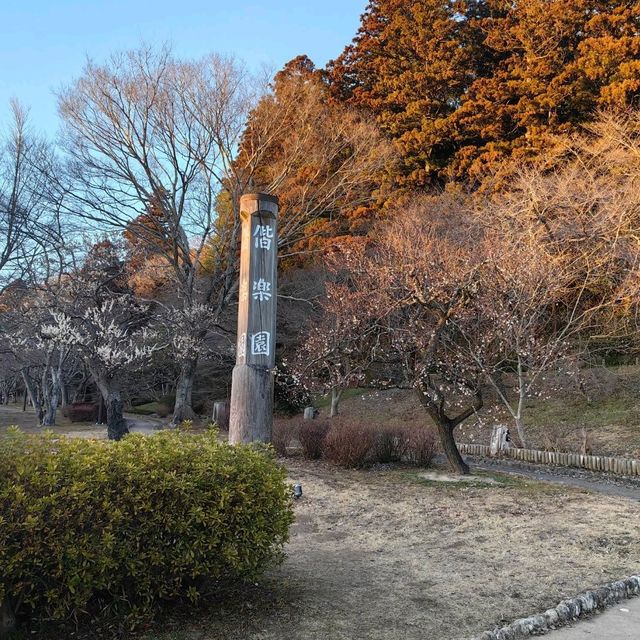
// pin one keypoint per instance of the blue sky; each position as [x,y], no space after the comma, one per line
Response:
[45,43]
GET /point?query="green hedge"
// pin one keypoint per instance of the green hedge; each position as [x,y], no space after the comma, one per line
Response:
[89,526]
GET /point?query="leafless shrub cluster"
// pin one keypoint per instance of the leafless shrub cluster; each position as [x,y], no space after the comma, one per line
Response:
[352,444]
[312,436]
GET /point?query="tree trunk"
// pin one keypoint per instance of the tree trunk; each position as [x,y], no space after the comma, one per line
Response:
[7,619]
[521,398]
[183,409]
[64,393]
[520,430]
[50,396]
[79,392]
[101,410]
[221,415]
[116,423]
[445,431]
[33,394]
[446,426]
[336,394]
[49,413]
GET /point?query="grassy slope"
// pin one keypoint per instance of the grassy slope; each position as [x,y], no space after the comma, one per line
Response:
[609,411]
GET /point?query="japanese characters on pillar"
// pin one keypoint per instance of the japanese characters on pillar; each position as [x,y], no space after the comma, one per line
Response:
[258,282]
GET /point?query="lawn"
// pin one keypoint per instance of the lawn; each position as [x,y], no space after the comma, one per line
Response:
[12,415]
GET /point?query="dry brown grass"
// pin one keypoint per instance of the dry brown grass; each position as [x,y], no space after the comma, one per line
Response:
[13,415]
[387,555]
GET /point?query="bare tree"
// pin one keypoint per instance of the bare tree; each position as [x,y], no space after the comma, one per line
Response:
[31,253]
[564,260]
[29,226]
[153,147]
[150,142]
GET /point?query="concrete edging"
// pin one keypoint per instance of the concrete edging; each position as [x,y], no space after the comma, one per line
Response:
[608,464]
[566,611]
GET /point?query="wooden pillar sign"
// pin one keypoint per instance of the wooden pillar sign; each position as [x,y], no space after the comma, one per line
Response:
[251,411]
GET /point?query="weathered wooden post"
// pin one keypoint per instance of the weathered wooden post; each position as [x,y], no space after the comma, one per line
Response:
[220,415]
[499,440]
[251,411]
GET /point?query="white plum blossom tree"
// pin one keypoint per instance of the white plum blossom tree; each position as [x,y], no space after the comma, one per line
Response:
[41,360]
[111,337]
[94,314]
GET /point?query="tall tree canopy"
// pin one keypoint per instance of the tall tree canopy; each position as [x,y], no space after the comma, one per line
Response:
[460,85]
[326,161]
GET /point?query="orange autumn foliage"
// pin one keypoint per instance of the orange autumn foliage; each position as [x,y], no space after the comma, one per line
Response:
[461,86]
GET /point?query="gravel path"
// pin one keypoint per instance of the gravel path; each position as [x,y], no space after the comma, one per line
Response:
[605,483]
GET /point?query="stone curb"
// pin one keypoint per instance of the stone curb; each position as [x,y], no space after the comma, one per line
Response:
[566,611]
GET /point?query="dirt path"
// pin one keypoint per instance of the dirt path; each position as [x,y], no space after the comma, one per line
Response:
[607,484]
[12,415]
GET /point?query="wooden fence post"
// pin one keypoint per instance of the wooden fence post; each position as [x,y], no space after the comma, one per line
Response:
[251,411]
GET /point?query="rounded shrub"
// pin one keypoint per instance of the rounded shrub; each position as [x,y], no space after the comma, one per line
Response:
[91,526]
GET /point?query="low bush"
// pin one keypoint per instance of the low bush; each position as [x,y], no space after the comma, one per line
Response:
[150,408]
[391,444]
[162,410]
[82,412]
[349,444]
[113,528]
[282,435]
[421,445]
[312,435]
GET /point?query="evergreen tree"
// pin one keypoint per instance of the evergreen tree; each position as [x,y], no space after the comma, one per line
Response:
[409,64]
[460,86]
